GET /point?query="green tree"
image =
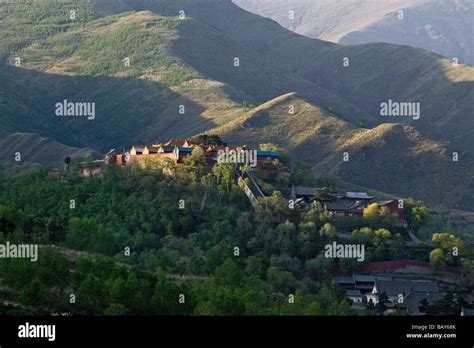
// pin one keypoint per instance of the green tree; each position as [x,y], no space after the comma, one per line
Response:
[328,230]
[363,235]
[383,300]
[258,265]
[80,232]
[103,240]
[319,266]
[331,182]
[348,266]
[34,293]
[225,176]
[437,259]
[324,194]
[372,211]
[302,175]
[116,291]
[197,265]
[313,212]
[449,243]
[383,233]
[228,275]
[283,282]
[53,268]
[116,309]
[208,139]
[416,214]
[90,296]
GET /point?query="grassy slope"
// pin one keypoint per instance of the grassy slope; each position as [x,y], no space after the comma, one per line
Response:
[274,61]
[85,63]
[311,133]
[35,149]
[280,61]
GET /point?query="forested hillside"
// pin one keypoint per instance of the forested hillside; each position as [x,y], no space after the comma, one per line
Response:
[134,241]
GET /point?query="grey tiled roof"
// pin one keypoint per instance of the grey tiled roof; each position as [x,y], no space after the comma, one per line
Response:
[468,311]
[381,203]
[304,191]
[358,195]
[346,204]
[395,288]
[343,280]
[363,278]
[353,293]
[413,299]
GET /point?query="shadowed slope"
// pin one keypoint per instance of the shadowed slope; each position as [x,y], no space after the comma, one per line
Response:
[392,158]
[280,61]
[36,149]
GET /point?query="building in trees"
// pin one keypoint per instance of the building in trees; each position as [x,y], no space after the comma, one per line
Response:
[347,203]
[405,293]
[176,151]
[396,292]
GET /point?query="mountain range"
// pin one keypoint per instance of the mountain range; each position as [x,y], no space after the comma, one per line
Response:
[434,25]
[176,68]
[394,158]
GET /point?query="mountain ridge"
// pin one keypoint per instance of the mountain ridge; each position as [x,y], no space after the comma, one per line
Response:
[434,25]
[35,149]
[183,80]
[389,157]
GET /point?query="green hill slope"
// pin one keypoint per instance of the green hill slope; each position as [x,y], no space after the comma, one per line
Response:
[273,61]
[311,133]
[314,68]
[156,96]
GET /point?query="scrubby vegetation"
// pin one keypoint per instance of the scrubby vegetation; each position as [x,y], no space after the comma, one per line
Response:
[146,238]
[124,63]
[138,209]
